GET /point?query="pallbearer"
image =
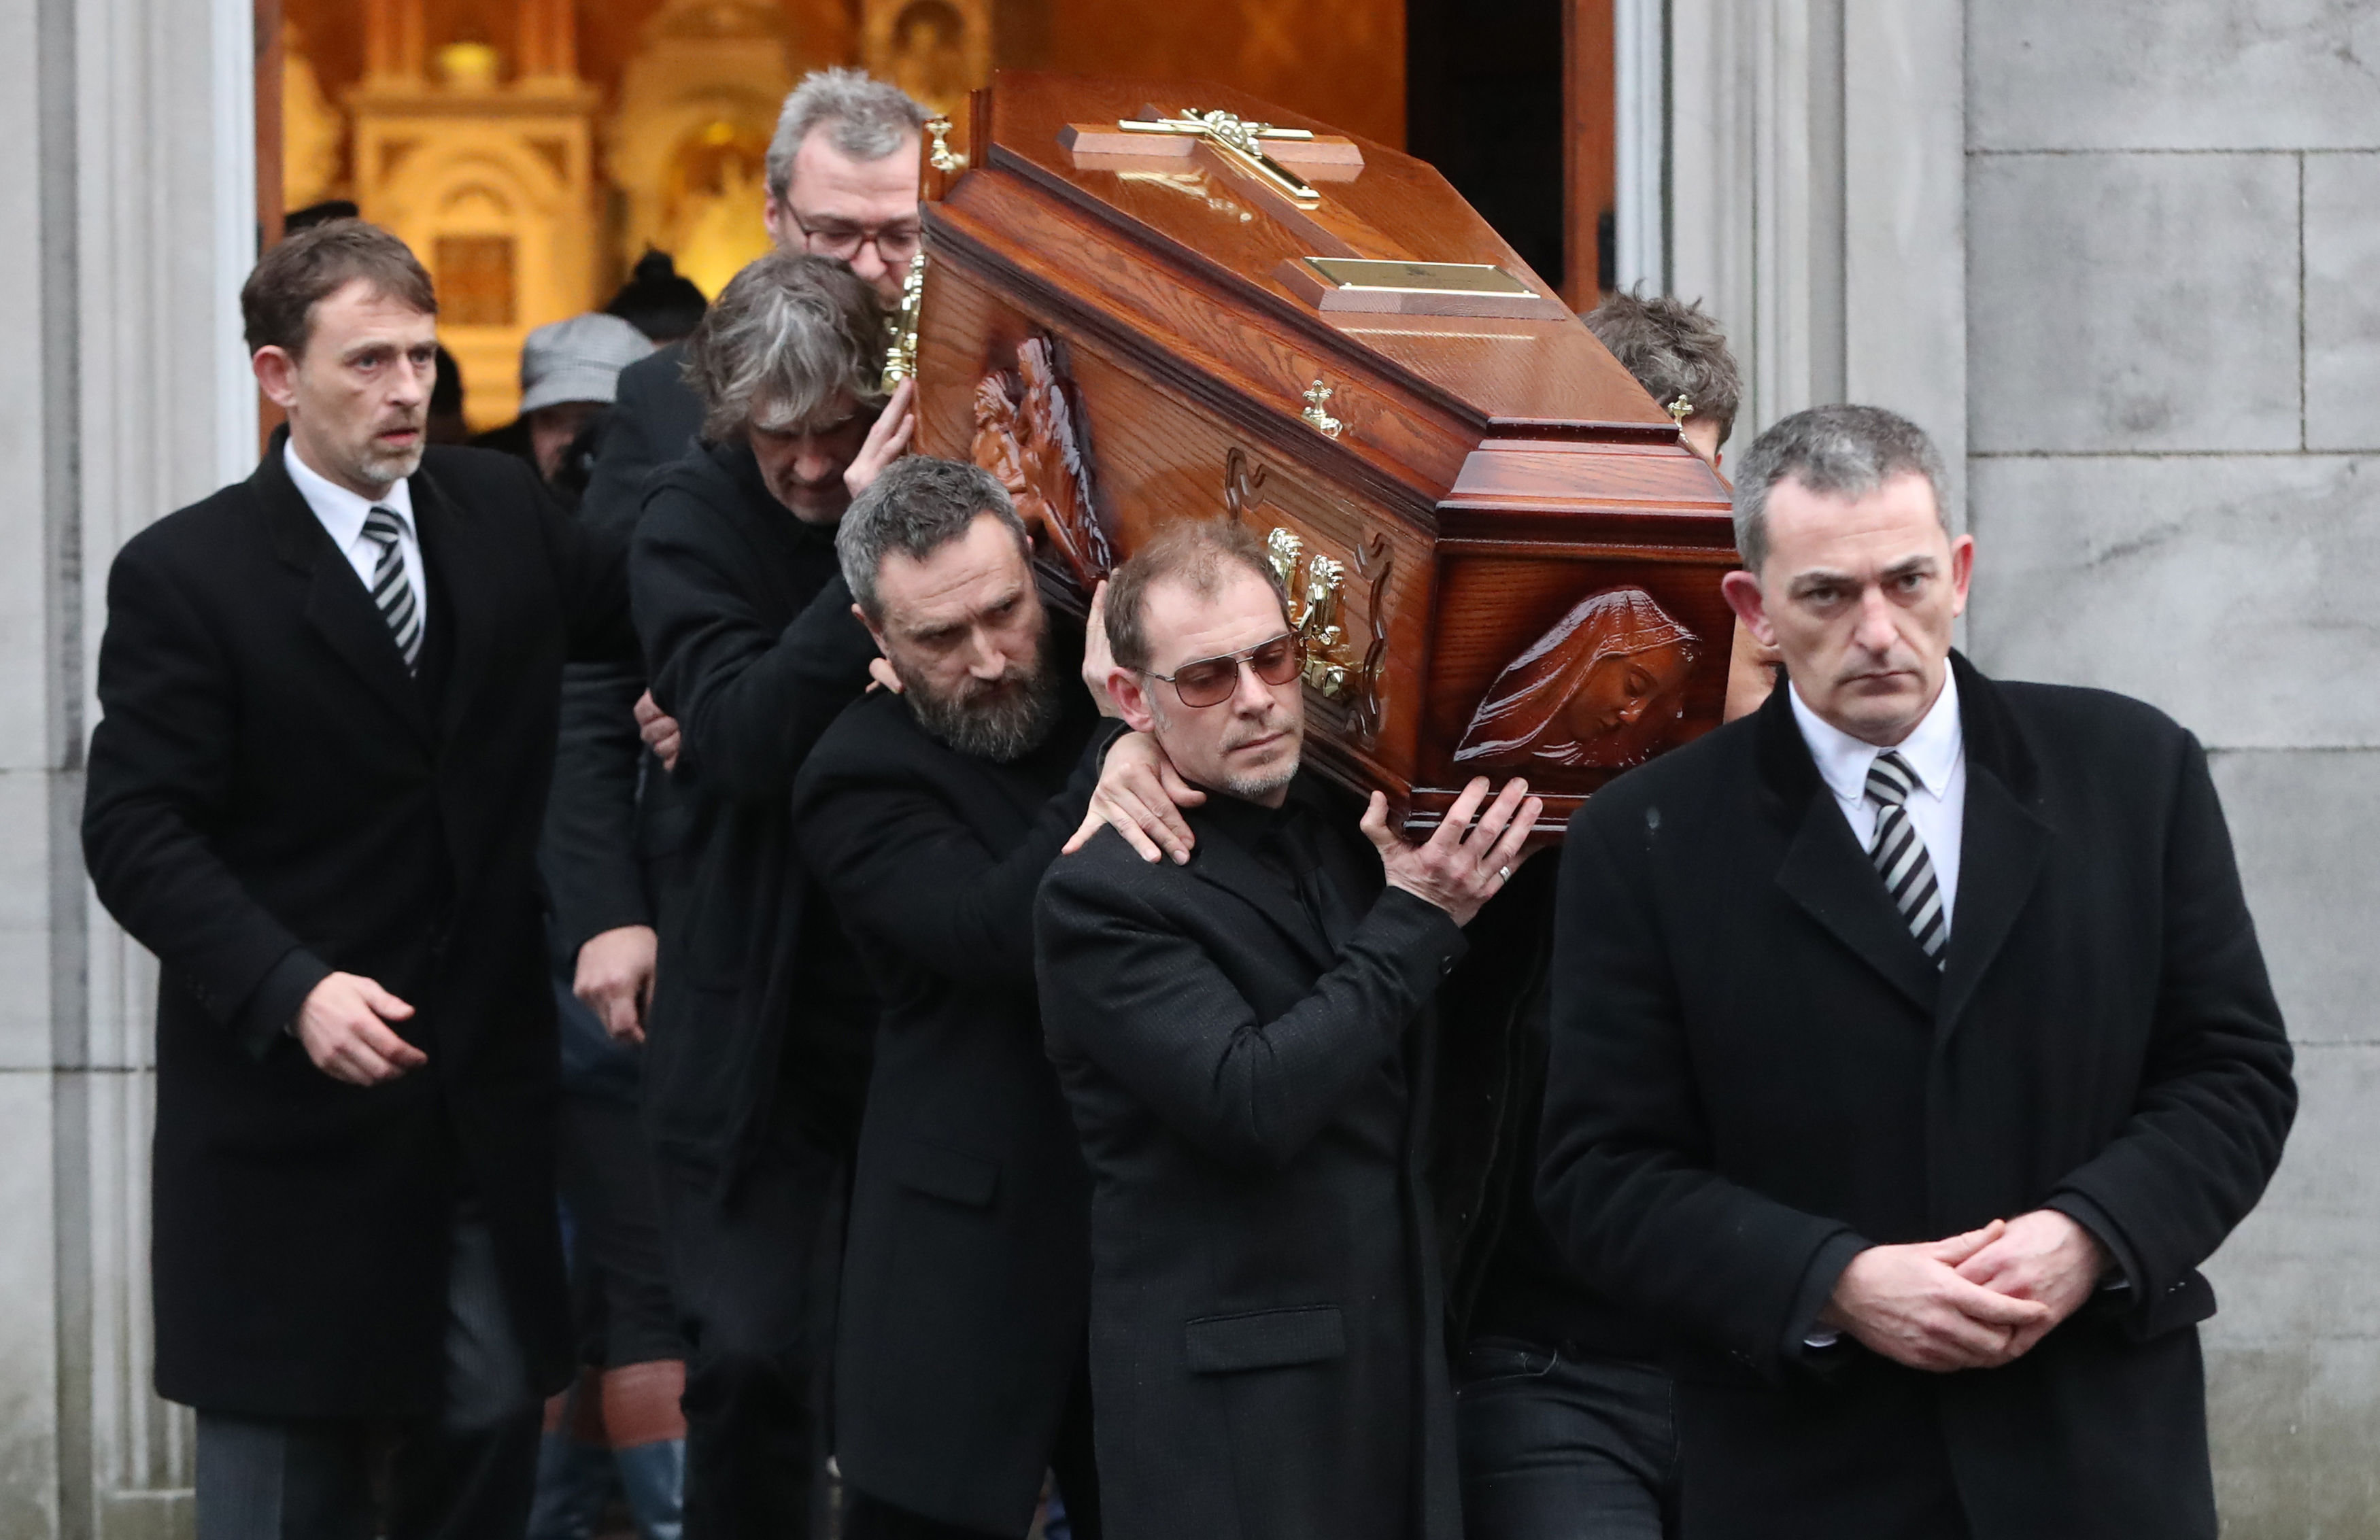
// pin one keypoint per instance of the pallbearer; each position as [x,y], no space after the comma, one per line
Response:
[1244,1040]
[930,811]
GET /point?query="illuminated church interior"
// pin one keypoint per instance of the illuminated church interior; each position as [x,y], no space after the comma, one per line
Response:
[532,150]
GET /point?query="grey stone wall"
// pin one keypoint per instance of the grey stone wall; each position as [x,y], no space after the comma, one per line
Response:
[2173,307]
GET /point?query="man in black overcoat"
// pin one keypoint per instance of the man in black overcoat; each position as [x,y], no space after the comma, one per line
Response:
[842,176]
[1911,1049]
[1243,1039]
[758,1040]
[328,698]
[930,815]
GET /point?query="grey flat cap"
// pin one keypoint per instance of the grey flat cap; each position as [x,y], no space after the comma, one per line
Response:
[579,359]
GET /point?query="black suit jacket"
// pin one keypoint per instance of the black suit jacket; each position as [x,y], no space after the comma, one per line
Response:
[1756,1072]
[968,1268]
[613,827]
[271,797]
[752,647]
[1266,1354]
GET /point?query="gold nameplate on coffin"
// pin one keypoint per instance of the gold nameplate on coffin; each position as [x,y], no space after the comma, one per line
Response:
[1371,286]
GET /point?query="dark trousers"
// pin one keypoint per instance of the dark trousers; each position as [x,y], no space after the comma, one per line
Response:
[865,1517]
[464,1474]
[754,1279]
[1563,1447]
[619,1271]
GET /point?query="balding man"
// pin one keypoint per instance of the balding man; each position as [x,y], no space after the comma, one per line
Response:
[1912,1049]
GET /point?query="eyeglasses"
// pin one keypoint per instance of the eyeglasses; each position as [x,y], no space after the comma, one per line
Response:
[1210,681]
[894,243]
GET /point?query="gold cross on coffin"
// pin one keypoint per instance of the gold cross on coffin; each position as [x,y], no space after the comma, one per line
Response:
[1240,142]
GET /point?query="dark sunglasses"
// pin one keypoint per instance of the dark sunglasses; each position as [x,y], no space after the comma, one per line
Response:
[1210,681]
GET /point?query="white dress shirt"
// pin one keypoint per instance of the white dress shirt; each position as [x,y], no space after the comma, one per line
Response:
[342,515]
[1936,752]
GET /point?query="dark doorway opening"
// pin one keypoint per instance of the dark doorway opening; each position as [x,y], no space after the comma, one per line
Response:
[1512,100]
[1484,104]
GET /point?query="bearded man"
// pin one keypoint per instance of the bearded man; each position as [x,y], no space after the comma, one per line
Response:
[930,815]
[329,697]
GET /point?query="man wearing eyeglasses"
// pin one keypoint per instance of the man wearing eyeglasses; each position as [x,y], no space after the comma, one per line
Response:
[1244,1039]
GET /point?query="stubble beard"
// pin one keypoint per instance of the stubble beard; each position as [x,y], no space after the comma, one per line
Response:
[1262,785]
[378,467]
[1001,720]
[390,466]
[1259,786]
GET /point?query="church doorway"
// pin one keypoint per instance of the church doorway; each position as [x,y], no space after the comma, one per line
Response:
[1513,101]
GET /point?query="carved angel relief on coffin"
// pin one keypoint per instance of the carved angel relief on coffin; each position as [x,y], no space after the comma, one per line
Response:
[1028,433]
[1605,688]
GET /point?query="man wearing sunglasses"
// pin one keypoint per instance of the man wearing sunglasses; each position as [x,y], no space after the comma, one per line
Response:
[1243,1037]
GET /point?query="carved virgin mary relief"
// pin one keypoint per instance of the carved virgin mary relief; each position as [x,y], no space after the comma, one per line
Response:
[1028,433]
[1605,688]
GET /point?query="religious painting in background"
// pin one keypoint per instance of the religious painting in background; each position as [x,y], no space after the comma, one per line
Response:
[1605,688]
[686,145]
[935,50]
[717,189]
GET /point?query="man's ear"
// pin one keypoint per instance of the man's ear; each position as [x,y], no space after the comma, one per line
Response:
[276,374]
[861,616]
[1130,692]
[1963,571]
[1751,606]
[777,220]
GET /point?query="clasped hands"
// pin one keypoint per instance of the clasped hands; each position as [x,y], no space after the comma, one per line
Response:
[1975,1301]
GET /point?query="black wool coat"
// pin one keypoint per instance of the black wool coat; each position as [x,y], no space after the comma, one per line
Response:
[1266,1353]
[272,798]
[617,825]
[655,422]
[1756,1072]
[751,645]
[611,825]
[966,1270]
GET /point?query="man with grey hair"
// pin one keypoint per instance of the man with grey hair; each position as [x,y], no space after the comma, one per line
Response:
[843,184]
[930,815]
[760,1021]
[1911,1049]
[842,174]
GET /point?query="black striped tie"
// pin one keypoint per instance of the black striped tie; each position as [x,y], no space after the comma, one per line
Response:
[1899,855]
[391,590]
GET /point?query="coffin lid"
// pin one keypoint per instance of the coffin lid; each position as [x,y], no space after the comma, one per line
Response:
[1542,379]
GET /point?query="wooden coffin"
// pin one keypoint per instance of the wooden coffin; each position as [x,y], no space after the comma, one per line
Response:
[1504,558]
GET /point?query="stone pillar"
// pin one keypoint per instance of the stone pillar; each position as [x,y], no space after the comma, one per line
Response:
[131,212]
[1798,169]
[396,46]
[549,41]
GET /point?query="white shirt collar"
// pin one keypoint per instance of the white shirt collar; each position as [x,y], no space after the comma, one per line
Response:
[1931,748]
[341,510]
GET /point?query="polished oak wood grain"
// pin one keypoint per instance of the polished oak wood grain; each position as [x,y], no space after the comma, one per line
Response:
[1482,480]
